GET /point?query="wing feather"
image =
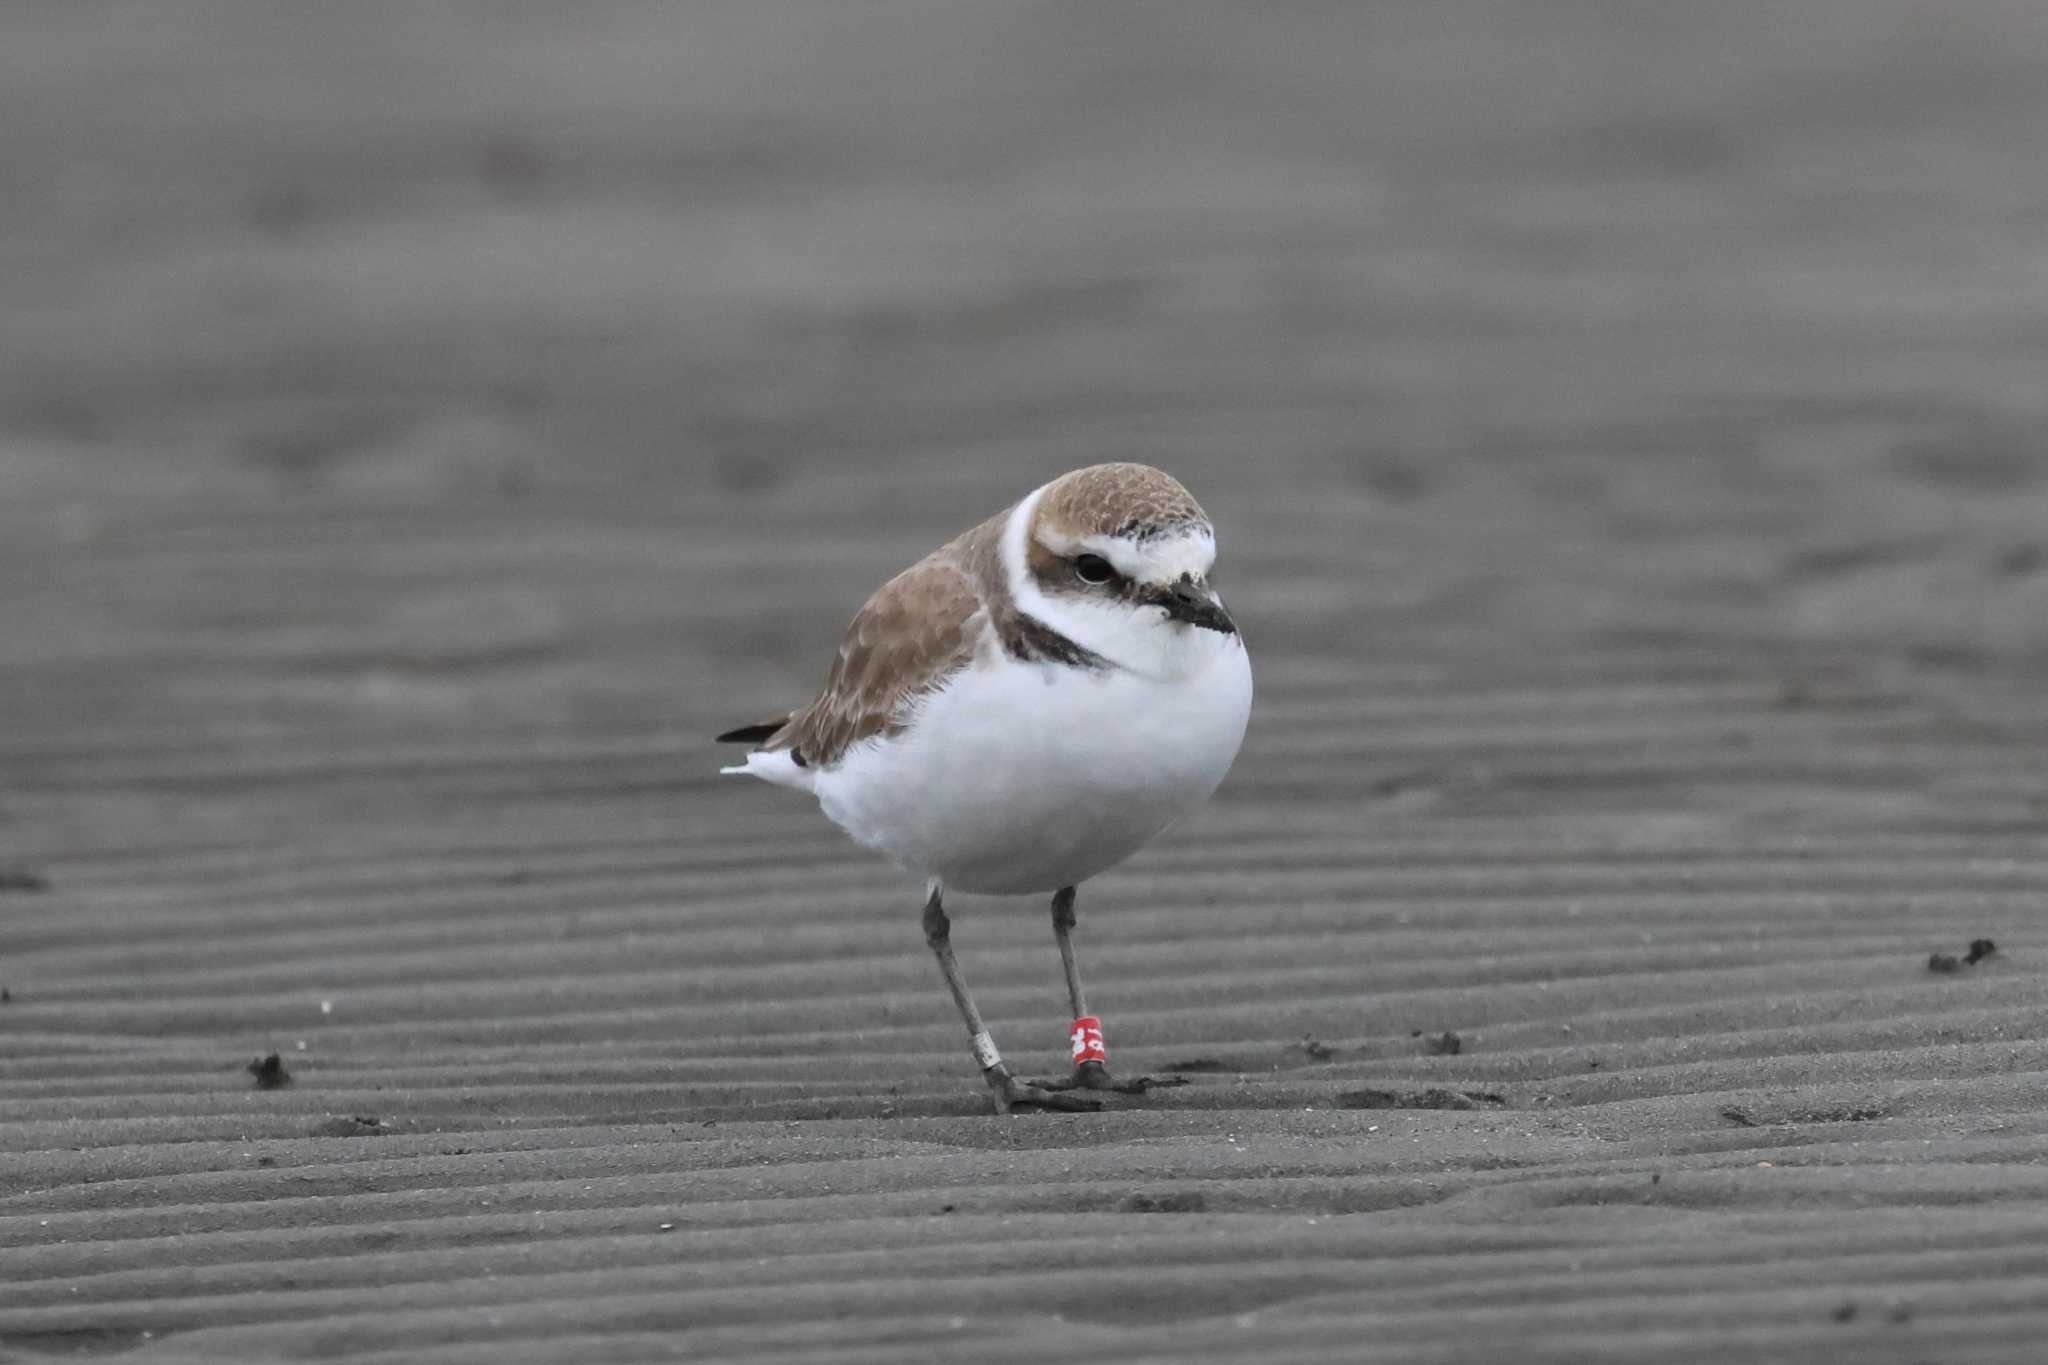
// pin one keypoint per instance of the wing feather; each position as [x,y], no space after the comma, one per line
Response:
[920,628]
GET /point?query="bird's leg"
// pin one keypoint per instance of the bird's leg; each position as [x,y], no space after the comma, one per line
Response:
[1091,1062]
[1006,1089]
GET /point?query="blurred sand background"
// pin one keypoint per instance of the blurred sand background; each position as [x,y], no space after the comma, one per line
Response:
[422,426]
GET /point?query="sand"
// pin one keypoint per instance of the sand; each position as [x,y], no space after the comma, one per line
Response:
[420,430]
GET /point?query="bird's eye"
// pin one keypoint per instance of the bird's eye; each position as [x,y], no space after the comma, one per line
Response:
[1093,569]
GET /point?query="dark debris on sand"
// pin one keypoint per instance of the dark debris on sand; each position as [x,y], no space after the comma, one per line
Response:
[1181,1201]
[270,1073]
[22,880]
[1436,1097]
[1980,948]
[1832,1113]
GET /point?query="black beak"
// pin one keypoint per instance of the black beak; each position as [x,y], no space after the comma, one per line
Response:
[1195,604]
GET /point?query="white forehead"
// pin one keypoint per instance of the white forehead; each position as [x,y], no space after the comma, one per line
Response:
[1161,558]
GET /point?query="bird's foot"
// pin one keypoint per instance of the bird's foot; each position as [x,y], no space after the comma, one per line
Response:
[1095,1076]
[1010,1092]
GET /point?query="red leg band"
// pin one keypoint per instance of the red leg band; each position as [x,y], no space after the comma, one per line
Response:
[1087,1040]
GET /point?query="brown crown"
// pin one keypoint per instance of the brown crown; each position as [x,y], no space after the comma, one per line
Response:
[1119,500]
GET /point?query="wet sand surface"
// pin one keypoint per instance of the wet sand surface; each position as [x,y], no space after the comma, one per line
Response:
[419,430]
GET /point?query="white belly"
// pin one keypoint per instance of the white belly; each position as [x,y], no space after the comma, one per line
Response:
[1029,777]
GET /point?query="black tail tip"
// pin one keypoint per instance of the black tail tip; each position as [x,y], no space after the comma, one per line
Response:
[750,734]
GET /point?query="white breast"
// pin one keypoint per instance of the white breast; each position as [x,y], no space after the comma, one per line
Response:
[1022,777]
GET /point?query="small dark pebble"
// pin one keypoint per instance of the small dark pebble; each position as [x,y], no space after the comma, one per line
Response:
[1396,784]
[945,1208]
[14,877]
[269,1072]
[1845,1311]
[6,996]
[1445,1044]
[1980,948]
[1656,1178]
[1183,1201]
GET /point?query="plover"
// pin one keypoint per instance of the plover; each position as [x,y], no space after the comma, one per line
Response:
[1023,708]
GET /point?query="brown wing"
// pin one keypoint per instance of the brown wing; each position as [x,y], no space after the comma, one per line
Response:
[919,628]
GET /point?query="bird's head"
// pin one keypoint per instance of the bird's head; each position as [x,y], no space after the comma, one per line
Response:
[1117,557]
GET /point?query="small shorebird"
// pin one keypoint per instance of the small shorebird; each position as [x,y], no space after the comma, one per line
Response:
[1023,708]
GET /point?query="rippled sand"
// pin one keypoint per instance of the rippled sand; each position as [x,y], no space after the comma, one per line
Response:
[418,433]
